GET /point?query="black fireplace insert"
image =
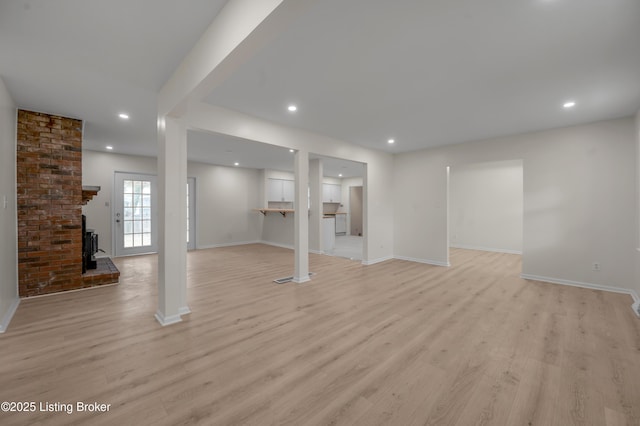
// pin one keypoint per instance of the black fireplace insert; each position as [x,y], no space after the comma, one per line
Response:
[89,246]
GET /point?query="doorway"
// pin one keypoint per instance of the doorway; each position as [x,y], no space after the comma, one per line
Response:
[135,214]
[486,206]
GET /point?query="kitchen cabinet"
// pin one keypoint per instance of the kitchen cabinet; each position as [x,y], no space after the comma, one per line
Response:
[280,190]
[341,224]
[328,234]
[331,193]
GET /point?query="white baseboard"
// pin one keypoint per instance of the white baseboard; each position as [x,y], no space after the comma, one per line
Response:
[269,243]
[6,318]
[636,303]
[184,310]
[577,284]
[427,261]
[239,243]
[316,251]
[495,250]
[301,280]
[632,293]
[164,321]
[378,260]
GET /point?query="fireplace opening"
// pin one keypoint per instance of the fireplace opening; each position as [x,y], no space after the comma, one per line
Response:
[89,247]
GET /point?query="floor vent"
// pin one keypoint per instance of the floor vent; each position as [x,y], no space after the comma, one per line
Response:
[288,279]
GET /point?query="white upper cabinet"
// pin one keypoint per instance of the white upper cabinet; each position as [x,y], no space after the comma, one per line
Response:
[280,190]
[289,190]
[331,193]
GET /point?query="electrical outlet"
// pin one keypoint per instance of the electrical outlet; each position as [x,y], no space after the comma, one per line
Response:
[596,266]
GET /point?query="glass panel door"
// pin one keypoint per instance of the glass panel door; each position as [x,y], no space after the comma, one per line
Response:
[135,214]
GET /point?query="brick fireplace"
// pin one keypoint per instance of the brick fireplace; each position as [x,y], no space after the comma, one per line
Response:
[50,198]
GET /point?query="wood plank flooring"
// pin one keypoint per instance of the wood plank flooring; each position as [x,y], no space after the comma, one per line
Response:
[396,343]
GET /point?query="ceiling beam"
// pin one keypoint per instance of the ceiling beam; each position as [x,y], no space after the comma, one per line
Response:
[241,29]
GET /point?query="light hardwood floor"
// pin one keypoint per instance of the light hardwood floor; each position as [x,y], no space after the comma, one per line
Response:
[396,343]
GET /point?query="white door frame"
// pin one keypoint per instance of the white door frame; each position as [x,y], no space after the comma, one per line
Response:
[118,214]
[191,213]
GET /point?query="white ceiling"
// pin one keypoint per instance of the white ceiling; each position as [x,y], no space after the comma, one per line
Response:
[93,59]
[426,73]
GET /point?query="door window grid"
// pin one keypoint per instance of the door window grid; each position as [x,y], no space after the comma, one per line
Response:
[137,213]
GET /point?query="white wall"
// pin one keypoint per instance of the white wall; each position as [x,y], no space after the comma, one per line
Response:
[579,203]
[225,197]
[8,215]
[485,206]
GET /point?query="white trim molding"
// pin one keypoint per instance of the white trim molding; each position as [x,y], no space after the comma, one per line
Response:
[301,280]
[269,243]
[635,306]
[6,319]
[378,260]
[495,250]
[239,243]
[185,310]
[636,303]
[426,261]
[164,321]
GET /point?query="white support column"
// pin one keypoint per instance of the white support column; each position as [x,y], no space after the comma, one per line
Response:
[239,31]
[301,234]
[315,216]
[172,219]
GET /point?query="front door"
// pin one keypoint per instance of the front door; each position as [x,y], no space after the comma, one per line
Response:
[135,217]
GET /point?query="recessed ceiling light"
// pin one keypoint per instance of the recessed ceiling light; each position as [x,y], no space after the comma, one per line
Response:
[109,147]
[291,150]
[340,175]
[391,141]
[236,164]
[569,104]
[123,116]
[292,108]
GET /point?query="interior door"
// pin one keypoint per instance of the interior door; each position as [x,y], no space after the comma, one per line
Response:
[135,214]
